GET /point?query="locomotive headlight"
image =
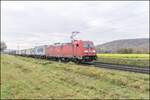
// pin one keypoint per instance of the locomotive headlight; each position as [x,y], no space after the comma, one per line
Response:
[94,51]
[85,50]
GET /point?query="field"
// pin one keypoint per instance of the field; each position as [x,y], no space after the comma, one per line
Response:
[139,60]
[29,78]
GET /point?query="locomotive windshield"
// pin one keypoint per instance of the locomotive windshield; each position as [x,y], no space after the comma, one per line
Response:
[88,45]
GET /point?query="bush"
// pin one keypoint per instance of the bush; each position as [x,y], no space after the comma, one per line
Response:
[125,50]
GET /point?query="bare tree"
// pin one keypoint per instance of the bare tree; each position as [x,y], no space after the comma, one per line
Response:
[3,46]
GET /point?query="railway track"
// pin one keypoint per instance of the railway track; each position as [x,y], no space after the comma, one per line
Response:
[120,67]
[136,69]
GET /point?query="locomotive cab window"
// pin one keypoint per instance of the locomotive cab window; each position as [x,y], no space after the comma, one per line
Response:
[88,45]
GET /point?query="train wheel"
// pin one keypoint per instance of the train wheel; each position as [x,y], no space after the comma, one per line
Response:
[77,61]
[66,59]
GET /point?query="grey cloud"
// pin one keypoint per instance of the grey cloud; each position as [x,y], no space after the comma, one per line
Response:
[49,22]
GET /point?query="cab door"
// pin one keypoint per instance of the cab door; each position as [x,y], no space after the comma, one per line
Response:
[76,49]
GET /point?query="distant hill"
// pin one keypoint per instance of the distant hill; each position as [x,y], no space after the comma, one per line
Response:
[138,45]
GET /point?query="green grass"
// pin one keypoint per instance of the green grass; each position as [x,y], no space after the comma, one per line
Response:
[29,78]
[140,60]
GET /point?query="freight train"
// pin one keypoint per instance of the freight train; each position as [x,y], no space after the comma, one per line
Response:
[77,51]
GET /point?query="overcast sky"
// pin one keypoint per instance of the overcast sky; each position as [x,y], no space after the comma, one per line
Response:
[30,23]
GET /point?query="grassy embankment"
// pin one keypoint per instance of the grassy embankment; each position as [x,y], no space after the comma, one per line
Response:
[140,60]
[24,78]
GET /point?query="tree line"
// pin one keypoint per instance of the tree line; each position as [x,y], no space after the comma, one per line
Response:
[124,51]
[3,46]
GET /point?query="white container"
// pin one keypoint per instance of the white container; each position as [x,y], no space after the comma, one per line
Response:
[40,50]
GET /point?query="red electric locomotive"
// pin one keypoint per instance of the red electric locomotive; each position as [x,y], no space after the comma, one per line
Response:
[77,50]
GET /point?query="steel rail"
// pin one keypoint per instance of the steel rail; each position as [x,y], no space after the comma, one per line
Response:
[120,67]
